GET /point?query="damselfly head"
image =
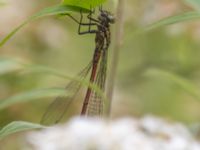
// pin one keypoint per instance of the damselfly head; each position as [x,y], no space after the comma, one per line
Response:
[106,16]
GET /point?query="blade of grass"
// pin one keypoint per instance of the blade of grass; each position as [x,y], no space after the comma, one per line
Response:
[7,66]
[183,83]
[174,19]
[84,3]
[18,126]
[35,94]
[32,95]
[194,3]
[50,71]
[43,93]
[55,10]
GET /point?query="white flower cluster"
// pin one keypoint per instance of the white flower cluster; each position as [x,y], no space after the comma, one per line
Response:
[148,133]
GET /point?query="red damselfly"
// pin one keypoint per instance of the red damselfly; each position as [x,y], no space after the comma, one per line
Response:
[93,103]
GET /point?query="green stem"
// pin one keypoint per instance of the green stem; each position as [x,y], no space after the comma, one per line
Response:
[115,54]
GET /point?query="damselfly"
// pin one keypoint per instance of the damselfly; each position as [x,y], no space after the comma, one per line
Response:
[93,103]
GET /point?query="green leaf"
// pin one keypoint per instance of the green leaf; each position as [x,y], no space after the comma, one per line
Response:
[55,10]
[194,3]
[2,4]
[32,68]
[18,126]
[36,94]
[174,19]
[8,65]
[32,95]
[50,71]
[44,93]
[178,80]
[84,3]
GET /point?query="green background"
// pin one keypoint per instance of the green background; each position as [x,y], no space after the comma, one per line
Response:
[152,72]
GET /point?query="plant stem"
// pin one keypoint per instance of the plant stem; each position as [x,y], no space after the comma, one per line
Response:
[115,54]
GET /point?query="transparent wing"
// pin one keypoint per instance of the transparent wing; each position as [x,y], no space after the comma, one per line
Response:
[59,106]
[96,104]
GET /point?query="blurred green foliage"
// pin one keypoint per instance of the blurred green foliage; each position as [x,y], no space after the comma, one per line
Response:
[85,4]
[193,3]
[174,51]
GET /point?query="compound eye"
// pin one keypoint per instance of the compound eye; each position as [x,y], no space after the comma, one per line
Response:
[103,14]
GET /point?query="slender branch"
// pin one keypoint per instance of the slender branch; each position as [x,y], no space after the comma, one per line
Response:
[115,54]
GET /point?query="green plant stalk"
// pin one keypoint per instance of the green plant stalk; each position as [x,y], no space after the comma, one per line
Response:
[115,54]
